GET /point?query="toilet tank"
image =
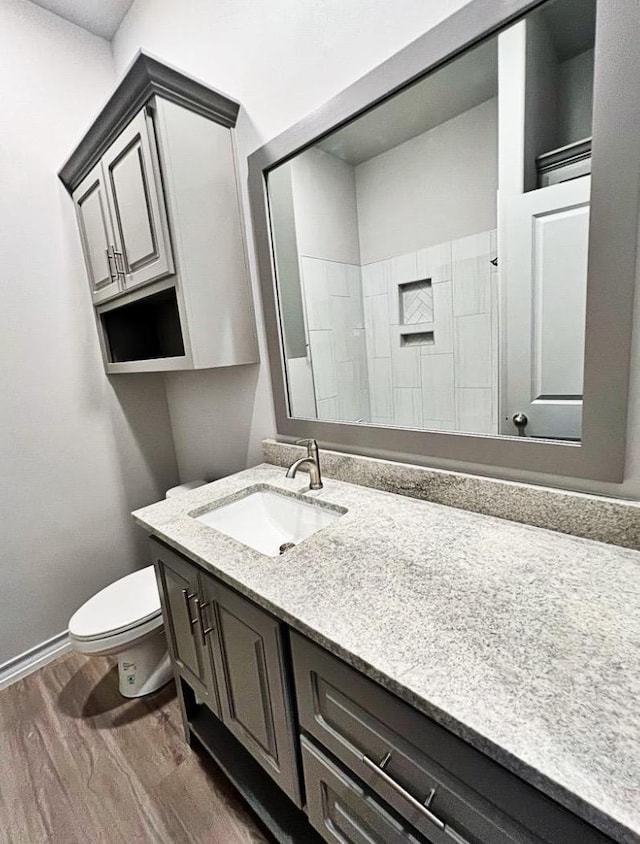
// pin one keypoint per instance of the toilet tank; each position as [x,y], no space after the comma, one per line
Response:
[182,488]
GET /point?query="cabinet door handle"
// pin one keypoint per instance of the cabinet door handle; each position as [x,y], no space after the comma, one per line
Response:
[419,807]
[187,596]
[113,273]
[204,631]
[118,259]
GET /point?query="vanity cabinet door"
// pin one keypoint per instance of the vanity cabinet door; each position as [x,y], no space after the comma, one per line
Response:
[143,246]
[185,623]
[96,235]
[254,692]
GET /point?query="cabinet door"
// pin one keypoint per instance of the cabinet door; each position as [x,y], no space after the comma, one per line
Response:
[254,693]
[96,234]
[137,205]
[186,625]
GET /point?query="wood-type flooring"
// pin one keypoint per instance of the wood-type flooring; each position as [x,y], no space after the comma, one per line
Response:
[79,764]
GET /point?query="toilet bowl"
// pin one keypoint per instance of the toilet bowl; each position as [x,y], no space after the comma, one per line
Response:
[125,619]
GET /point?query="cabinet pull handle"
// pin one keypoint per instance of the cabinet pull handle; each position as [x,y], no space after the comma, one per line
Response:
[419,807]
[118,260]
[187,596]
[204,631]
[113,273]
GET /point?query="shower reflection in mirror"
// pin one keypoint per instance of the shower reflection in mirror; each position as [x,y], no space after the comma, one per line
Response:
[431,255]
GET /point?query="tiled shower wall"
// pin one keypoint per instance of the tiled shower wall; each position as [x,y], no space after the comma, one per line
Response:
[432,351]
[332,295]
[392,352]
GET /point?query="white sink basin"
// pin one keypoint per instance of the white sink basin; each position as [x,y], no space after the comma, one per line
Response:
[266,519]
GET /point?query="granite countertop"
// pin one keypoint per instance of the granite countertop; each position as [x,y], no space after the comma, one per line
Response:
[522,641]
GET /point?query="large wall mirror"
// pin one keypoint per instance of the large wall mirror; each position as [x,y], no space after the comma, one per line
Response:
[432,266]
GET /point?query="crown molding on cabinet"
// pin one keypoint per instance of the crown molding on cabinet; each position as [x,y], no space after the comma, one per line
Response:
[146,77]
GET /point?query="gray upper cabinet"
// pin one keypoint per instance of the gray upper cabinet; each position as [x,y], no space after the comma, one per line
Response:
[96,235]
[155,187]
[122,215]
[143,247]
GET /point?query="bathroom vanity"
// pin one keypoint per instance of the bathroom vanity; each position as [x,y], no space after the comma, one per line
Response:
[408,672]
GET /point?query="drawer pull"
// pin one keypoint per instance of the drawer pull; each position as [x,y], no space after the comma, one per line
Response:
[187,605]
[426,813]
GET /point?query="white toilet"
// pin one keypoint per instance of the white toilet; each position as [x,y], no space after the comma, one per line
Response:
[125,619]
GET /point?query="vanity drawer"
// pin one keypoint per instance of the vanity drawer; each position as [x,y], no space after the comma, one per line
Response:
[466,793]
[343,811]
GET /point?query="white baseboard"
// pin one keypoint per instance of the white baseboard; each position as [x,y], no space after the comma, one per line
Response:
[33,659]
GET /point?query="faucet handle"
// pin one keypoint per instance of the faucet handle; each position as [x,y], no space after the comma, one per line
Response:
[311,444]
[313,461]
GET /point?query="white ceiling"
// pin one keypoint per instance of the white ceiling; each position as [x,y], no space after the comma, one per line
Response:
[102,17]
[464,83]
[460,85]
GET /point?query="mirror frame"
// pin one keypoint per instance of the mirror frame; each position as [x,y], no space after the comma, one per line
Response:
[613,235]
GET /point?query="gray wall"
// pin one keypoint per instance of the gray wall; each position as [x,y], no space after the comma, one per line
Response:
[575,97]
[559,96]
[312,202]
[254,53]
[285,245]
[541,97]
[324,198]
[436,187]
[78,452]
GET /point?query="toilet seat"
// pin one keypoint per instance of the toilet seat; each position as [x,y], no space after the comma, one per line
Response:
[124,610]
[119,642]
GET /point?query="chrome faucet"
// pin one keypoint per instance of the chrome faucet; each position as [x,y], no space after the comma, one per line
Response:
[312,460]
